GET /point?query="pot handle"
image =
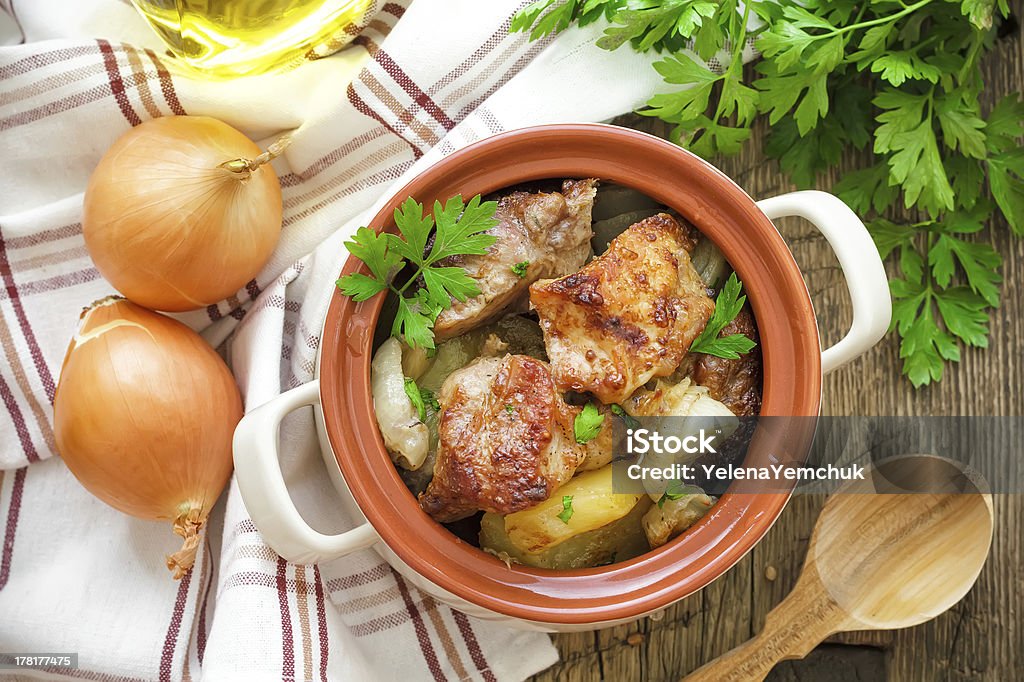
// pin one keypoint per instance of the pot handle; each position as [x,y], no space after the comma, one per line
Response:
[266,497]
[859,260]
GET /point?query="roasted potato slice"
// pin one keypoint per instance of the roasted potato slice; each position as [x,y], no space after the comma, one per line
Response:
[620,540]
[593,505]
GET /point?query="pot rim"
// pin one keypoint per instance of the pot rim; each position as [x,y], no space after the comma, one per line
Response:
[791,386]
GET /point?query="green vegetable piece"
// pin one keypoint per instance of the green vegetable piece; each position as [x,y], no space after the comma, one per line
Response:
[587,424]
[628,419]
[676,490]
[567,510]
[416,398]
[519,269]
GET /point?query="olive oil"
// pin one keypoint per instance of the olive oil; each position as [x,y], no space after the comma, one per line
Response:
[228,38]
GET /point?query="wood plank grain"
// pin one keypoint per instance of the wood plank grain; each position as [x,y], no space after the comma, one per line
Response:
[982,638]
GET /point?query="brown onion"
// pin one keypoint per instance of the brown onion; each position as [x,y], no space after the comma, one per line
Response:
[182,212]
[144,415]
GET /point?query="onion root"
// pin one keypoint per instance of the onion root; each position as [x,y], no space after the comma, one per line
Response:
[188,526]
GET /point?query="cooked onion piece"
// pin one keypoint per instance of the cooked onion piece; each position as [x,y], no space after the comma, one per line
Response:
[144,415]
[182,212]
[710,263]
[670,519]
[685,399]
[405,436]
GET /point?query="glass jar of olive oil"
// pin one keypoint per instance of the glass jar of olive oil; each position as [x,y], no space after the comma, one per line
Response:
[228,38]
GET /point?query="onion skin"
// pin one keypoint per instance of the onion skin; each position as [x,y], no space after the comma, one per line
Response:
[168,225]
[144,414]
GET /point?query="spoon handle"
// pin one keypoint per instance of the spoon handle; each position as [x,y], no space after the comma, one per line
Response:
[791,630]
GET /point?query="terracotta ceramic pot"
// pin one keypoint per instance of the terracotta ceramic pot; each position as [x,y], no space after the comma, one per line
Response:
[436,560]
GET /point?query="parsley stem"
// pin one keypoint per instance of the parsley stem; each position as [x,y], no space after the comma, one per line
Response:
[977,42]
[864,8]
[736,62]
[419,271]
[907,9]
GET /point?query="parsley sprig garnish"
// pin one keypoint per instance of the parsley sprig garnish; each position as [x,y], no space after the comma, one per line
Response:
[901,80]
[459,231]
[727,307]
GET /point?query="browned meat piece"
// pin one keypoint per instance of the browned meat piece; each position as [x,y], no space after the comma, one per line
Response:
[550,231]
[736,383]
[505,439]
[690,235]
[627,316]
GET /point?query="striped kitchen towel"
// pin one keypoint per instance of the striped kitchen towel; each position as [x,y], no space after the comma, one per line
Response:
[420,81]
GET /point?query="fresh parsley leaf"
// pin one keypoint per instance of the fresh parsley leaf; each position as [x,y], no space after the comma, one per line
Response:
[716,138]
[461,228]
[980,11]
[567,510]
[532,17]
[520,268]
[968,179]
[867,189]
[676,490]
[979,261]
[932,310]
[361,287]
[414,230]
[587,424]
[653,25]
[804,157]
[962,127]
[416,397]
[457,228]
[627,419]
[444,284]
[727,307]
[1006,181]
[510,408]
[898,66]
[414,320]
[918,167]
[1005,124]
[372,249]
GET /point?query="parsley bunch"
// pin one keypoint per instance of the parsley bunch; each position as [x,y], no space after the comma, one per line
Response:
[458,229]
[900,78]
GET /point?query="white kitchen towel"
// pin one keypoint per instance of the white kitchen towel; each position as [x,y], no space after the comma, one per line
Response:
[420,81]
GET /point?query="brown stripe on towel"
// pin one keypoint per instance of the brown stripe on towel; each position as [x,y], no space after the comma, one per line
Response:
[117,88]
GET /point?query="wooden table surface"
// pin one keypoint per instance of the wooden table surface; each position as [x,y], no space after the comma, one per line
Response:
[982,637]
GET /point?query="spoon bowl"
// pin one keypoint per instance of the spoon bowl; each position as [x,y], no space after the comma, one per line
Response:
[890,551]
[896,560]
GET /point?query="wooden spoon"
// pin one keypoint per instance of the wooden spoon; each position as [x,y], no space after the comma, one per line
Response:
[875,562]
